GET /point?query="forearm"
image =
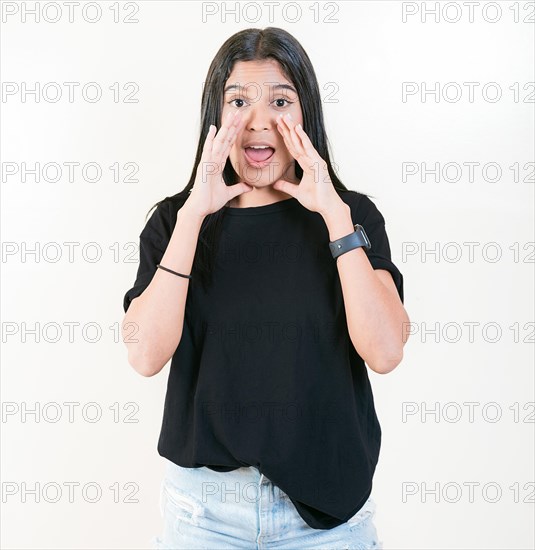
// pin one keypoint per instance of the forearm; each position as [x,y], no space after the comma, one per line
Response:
[375,314]
[158,313]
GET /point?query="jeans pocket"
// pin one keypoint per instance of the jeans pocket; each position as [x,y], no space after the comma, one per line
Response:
[180,505]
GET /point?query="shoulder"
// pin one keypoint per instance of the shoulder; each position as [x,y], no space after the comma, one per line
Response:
[172,205]
[162,218]
[363,209]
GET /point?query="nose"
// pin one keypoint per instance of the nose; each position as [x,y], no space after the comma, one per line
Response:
[259,117]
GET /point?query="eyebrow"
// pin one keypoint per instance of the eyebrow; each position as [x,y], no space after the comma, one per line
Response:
[233,87]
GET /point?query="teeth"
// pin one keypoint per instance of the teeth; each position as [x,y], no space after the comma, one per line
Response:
[259,146]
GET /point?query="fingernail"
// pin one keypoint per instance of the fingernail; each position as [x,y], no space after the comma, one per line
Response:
[289,116]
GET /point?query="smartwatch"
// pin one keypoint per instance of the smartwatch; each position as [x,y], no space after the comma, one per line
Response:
[349,242]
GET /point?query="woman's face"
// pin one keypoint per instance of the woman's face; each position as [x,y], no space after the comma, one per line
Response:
[261,91]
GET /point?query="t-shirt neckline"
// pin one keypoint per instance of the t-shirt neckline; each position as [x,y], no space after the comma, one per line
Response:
[264,209]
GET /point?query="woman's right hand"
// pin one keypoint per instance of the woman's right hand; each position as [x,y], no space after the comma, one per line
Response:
[210,192]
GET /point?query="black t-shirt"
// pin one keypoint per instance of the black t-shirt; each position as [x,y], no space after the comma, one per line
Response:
[265,373]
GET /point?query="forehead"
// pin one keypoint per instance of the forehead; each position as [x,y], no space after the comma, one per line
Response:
[263,73]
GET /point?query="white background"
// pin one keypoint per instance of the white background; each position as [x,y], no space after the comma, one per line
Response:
[365,56]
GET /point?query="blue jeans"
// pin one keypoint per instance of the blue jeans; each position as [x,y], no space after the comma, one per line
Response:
[243,509]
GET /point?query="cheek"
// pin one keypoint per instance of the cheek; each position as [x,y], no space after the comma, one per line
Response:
[283,151]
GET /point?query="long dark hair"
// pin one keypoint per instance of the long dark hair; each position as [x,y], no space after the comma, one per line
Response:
[252,45]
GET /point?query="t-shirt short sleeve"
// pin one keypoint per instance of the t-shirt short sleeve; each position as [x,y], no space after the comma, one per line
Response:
[153,241]
[368,215]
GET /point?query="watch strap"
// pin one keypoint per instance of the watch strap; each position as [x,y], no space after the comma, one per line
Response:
[354,240]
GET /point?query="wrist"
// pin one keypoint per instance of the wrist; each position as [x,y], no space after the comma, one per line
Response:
[191,213]
[338,220]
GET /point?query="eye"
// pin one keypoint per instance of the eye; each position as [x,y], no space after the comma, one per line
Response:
[277,101]
[237,99]
[283,99]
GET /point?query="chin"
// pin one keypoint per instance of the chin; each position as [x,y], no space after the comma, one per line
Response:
[264,181]
[259,184]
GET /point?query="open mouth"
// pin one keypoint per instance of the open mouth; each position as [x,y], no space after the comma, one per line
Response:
[259,156]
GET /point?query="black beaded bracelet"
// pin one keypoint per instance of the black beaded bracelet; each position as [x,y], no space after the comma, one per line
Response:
[173,272]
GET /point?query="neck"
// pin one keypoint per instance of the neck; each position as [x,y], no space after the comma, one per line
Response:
[258,197]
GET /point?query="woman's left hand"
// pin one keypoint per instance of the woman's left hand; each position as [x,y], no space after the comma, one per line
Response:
[315,190]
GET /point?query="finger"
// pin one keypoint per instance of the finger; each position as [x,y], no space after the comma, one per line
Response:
[286,187]
[238,124]
[238,189]
[309,148]
[296,140]
[220,141]
[234,130]
[222,132]
[306,161]
[207,147]
[286,136]
[298,154]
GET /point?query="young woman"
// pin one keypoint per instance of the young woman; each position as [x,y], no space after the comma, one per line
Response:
[259,282]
